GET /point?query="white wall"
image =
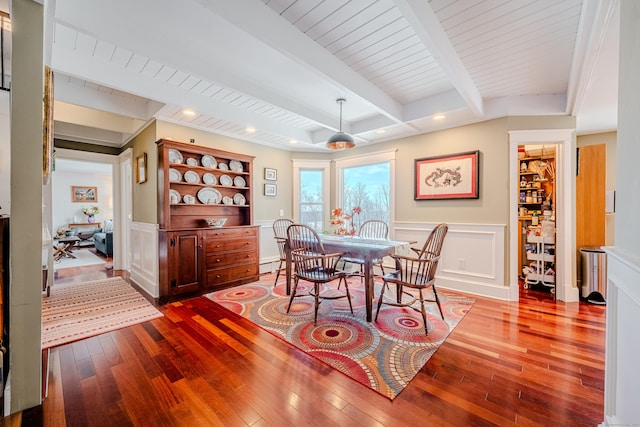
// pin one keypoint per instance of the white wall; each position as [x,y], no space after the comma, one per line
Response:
[64,210]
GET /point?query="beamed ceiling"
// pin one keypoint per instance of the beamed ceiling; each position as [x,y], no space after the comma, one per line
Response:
[278,66]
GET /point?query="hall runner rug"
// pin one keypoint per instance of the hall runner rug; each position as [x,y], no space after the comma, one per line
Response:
[83,310]
[384,355]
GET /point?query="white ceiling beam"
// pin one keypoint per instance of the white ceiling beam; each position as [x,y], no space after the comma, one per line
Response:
[428,28]
[260,21]
[195,30]
[436,104]
[595,20]
[88,116]
[100,100]
[110,75]
[88,134]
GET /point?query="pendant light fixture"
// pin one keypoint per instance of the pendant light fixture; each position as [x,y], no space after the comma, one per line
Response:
[340,141]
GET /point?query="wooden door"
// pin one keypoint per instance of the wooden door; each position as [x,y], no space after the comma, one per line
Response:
[185,256]
[590,198]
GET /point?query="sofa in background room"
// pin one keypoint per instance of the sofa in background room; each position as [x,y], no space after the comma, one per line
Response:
[103,238]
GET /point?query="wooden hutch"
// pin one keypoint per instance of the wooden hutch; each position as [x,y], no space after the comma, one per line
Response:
[196,183]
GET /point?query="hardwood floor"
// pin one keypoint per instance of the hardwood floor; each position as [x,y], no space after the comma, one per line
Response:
[536,362]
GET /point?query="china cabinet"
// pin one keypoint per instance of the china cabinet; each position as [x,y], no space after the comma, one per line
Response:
[196,184]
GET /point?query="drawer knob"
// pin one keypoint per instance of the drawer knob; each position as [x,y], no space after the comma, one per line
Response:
[218,260]
[217,276]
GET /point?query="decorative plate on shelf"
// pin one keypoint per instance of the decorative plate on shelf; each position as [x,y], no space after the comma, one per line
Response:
[227,200]
[239,181]
[174,175]
[192,162]
[191,177]
[239,199]
[236,166]
[226,180]
[209,196]
[223,166]
[208,161]
[209,178]
[175,156]
[174,197]
[189,199]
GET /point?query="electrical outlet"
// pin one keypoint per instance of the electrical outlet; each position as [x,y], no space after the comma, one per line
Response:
[461,263]
[281,212]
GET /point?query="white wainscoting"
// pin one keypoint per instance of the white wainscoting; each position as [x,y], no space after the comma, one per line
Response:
[144,257]
[269,255]
[622,346]
[473,257]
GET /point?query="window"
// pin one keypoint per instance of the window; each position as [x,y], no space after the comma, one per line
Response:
[311,198]
[367,182]
[311,193]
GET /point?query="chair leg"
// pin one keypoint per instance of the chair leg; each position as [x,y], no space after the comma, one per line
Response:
[437,300]
[346,286]
[293,293]
[316,286]
[278,273]
[380,298]
[424,313]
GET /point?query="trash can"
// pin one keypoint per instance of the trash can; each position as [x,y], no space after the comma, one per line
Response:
[594,274]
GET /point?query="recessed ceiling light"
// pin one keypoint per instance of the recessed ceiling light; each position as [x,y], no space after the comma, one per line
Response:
[293,141]
[439,117]
[250,129]
[188,112]
[381,131]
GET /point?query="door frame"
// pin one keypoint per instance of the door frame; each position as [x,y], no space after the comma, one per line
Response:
[120,225]
[565,141]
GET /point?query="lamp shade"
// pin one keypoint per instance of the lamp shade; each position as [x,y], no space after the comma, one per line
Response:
[340,141]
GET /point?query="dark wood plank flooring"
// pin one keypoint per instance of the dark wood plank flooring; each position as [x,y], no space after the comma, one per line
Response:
[533,363]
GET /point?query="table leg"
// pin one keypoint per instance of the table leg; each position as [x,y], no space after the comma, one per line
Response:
[288,268]
[368,281]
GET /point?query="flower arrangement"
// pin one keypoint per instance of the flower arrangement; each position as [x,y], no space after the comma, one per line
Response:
[343,222]
[91,210]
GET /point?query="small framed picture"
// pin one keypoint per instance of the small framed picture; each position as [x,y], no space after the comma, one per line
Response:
[84,194]
[270,190]
[270,174]
[141,168]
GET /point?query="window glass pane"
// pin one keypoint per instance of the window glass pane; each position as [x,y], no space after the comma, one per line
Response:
[367,186]
[311,198]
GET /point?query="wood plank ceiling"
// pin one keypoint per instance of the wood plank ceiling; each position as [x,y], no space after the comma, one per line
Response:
[278,66]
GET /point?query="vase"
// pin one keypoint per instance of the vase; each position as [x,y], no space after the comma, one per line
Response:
[90,218]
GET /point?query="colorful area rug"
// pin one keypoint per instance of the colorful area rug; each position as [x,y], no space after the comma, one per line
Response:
[383,355]
[83,257]
[82,310]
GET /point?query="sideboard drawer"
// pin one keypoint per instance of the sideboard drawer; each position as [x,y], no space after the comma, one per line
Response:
[225,259]
[221,276]
[229,245]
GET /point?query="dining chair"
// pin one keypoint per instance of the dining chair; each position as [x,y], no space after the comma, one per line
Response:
[280,234]
[416,272]
[371,229]
[312,263]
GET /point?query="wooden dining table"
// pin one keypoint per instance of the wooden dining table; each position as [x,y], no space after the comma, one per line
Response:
[356,247]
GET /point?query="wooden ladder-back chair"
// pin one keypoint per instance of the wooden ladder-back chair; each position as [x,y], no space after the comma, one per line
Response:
[371,229]
[280,234]
[416,272]
[313,264]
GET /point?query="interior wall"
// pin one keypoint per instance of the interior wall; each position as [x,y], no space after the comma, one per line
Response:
[5,154]
[66,211]
[145,194]
[610,140]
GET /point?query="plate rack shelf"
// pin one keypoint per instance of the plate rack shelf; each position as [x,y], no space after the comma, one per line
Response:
[172,167]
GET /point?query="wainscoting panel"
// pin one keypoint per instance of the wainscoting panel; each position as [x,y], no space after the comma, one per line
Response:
[623,347]
[472,258]
[144,257]
[269,255]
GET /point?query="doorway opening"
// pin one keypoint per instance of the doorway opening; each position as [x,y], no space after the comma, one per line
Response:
[537,219]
